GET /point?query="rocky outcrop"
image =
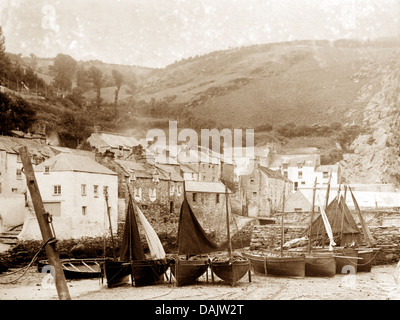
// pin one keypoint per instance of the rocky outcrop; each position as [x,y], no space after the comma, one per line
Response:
[376,153]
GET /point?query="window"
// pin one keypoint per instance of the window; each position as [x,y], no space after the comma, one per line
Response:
[217,198]
[83,189]
[153,194]
[14,190]
[137,193]
[285,166]
[19,174]
[194,197]
[300,174]
[254,194]
[46,169]
[179,190]
[19,160]
[325,175]
[132,176]
[285,174]
[252,181]
[96,190]
[84,211]
[105,190]
[57,190]
[172,189]
[303,182]
[171,207]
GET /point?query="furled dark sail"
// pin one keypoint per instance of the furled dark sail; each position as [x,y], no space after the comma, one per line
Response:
[191,237]
[131,247]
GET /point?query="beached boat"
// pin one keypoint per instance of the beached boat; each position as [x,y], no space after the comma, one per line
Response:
[143,270]
[231,267]
[258,263]
[320,264]
[77,268]
[193,243]
[286,266]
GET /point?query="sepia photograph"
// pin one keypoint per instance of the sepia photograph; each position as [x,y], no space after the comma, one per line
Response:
[199,157]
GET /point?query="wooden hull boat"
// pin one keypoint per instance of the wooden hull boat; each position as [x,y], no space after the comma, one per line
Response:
[117,272]
[78,268]
[258,263]
[346,261]
[286,266]
[230,270]
[186,272]
[148,272]
[320,265]
[367,257]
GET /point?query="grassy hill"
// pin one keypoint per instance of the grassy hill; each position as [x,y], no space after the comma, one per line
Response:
[314,84]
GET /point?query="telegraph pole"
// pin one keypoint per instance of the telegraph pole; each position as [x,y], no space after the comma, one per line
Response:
[42,217]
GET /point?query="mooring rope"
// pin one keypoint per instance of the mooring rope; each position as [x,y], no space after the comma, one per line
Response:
[26,268]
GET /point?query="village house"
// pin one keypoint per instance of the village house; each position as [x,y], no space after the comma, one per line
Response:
[260,194]
[302,168]
[156,189]
[79,193]
[13,188]
[121,145]
[208,202]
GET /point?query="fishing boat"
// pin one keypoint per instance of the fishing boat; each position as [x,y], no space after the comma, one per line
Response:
[231,267]
[354,248]
[193,243]
[320,264]
[258,263]
[286,264]
[77,268]
[132,261]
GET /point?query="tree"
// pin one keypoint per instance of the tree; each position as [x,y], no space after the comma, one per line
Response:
[15,114]
[4,61]
[96,77]
[63,69]
[118,80]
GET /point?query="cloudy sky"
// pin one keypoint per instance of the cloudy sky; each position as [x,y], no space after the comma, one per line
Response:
[155,33]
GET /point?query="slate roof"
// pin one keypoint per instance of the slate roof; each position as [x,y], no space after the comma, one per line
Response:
[273,174]
[104,140]
[72,162]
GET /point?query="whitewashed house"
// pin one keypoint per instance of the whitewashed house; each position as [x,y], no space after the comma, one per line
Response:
[73,190]
[13,189]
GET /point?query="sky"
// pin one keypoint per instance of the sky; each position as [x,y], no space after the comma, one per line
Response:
[156,33]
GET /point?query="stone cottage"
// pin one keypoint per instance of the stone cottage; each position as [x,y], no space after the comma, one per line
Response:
[260,194]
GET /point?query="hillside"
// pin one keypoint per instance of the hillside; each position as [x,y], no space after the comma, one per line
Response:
[301,82]
[338,96]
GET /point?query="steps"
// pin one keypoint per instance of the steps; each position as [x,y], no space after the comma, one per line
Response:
[10,236]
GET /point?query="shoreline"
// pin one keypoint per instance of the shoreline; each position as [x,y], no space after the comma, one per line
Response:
[382,283]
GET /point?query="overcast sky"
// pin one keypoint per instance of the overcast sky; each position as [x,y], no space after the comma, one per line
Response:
[155,33]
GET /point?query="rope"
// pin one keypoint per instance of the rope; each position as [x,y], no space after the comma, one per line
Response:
[26,268]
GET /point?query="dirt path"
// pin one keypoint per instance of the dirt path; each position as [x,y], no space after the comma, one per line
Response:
[379,284]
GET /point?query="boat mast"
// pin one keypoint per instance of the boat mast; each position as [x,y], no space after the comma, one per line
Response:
[109,221]
[312,216]
[367,233]
[283,210]
[228,231]
[326,203]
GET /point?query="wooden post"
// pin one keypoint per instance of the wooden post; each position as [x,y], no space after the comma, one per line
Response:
[47,235]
